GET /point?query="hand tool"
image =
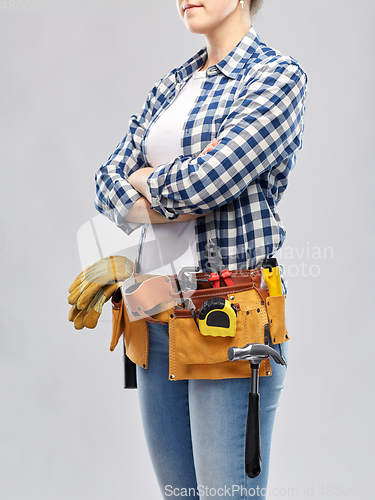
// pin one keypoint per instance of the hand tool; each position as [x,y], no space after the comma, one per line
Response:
[255,353]
[216,265]
[218,318]
[271,275]
[186,281]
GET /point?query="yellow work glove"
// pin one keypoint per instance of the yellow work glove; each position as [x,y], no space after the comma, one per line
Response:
[103,272]
[94,286]
[89,316]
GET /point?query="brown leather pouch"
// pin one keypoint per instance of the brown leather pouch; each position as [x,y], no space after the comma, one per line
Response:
[118,319]
[136,333]
[193,355]
[276,316]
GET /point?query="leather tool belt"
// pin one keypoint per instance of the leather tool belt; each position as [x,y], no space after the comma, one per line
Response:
[260,318]
[146,295]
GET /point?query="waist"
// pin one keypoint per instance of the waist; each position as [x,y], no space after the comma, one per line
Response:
[148,296]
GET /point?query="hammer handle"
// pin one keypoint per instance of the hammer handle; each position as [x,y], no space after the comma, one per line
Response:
[130,372]
[252,450]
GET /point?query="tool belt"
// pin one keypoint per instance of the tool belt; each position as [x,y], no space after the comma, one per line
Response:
[198,343]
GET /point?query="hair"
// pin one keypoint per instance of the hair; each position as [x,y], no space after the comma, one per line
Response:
[255,5]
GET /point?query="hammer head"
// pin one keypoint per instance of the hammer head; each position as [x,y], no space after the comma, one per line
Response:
[254,351]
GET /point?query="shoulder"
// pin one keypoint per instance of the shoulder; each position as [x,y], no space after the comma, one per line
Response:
[266,61]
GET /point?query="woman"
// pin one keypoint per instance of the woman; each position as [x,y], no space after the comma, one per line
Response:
[208,160]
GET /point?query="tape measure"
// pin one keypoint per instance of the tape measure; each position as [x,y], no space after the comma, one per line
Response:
[217,318]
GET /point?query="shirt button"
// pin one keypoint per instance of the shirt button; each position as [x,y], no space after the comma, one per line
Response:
[212,71]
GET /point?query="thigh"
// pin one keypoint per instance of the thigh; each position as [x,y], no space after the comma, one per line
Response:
[166,419]
[218,410]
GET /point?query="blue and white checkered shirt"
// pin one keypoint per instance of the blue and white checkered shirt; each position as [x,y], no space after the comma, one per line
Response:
[253,103]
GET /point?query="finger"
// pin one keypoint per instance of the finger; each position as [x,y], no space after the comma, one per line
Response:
[91,319]
[78,320]
[73,313]
[210,147]
[206,150]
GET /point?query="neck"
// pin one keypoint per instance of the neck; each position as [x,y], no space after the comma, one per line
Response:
[223,40]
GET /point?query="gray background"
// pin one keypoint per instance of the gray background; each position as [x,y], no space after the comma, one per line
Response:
[72,72]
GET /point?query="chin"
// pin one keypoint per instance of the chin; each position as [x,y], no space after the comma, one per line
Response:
[196,30]
[197,27]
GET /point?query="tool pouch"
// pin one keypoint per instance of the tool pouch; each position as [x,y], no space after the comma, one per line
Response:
[193,355]
[118,319]
[259,319]
[276,316]
[135,333]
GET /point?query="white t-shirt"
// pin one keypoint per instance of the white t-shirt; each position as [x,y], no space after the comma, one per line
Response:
[168,247]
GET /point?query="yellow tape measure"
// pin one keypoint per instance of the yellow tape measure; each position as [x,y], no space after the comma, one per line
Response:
[218,318]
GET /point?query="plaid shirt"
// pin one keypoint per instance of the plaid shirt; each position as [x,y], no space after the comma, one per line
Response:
[252,102]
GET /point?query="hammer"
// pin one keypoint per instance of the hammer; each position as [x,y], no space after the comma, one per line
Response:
[255,353]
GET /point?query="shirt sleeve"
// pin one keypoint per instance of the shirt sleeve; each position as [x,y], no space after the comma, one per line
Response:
[263,128]
[114,195]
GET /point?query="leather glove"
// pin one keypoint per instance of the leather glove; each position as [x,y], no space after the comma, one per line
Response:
[88,317]
[94,286]
[103,272]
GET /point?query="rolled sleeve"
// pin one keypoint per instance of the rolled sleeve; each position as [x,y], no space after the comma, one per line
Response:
[156,183]
[114,195]
[263,128]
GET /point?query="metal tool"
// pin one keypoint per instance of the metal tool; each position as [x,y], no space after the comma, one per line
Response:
[186,280]
[255,353]
[218,272]
[213,257]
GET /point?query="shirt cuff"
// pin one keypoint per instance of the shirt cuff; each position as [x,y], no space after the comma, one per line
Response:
[156,183]
[122,210]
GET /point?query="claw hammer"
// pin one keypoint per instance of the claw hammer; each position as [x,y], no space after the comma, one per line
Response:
[255,353]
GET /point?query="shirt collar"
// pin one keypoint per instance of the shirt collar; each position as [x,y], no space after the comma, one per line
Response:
[231,65]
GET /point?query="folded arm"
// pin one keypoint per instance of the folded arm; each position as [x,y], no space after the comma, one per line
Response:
[263,129]
[139,178]
[126,204]
[115,197]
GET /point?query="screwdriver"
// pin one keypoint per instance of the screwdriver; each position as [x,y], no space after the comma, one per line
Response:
[271,275]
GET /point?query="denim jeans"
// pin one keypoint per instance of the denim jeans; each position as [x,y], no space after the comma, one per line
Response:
[195,429]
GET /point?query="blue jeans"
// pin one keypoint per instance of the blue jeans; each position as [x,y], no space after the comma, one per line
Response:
[195,429]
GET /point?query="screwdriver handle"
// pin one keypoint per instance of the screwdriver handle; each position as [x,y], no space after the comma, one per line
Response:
[273,280]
